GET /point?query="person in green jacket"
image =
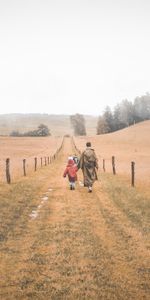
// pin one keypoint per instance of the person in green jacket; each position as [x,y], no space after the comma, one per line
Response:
[89,165]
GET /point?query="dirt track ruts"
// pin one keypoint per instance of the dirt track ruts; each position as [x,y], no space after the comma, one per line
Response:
[81,246]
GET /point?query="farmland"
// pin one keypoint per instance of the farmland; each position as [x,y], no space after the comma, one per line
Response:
[129,144]
[62,244]
[27,148]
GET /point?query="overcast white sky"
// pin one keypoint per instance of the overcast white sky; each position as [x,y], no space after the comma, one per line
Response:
[68,56]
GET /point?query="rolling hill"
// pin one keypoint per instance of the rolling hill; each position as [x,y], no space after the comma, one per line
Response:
[129,144]
[58,124]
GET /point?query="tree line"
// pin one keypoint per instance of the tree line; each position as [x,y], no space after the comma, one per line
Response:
[123,115]
[42,130]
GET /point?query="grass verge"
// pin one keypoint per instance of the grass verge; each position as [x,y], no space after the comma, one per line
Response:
[16,203]
[131,201]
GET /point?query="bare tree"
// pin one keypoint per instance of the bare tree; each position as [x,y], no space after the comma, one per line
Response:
[78,124]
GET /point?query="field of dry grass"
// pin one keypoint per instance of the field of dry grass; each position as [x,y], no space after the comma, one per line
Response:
[19,148]
[129,144]
[71,245]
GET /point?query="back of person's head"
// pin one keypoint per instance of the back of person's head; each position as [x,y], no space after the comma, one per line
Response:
[88,144]
[70,161]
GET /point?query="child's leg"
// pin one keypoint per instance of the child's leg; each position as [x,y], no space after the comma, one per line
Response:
[73,185]
[70,183]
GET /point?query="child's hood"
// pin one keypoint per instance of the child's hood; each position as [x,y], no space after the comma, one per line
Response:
[70,162]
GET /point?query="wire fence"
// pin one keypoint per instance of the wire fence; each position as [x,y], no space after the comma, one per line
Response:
[136,169]
[12,168]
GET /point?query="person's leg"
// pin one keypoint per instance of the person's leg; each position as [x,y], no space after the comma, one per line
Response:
[70,183]
[73,185]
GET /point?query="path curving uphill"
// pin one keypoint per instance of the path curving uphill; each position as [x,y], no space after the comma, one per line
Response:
[75,245]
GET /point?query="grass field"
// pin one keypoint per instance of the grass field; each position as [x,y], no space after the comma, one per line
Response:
[28,148]
[129,144]
[72,245]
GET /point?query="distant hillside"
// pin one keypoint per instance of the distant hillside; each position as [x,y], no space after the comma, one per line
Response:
[129,144]
[58,124]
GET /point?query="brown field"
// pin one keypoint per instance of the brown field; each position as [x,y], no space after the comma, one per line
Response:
[130,144]
[27,148]
[59,244]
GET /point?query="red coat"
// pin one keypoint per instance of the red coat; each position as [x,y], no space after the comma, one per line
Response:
[71,171]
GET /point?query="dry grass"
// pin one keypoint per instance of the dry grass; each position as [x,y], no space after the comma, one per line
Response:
[130,144]
[132,202]
[80,246]
[27,148]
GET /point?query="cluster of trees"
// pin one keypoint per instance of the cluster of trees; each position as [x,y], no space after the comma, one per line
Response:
[78,124]
[124,114]
[42,130]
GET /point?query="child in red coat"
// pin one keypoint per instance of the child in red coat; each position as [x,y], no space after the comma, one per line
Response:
[71,171]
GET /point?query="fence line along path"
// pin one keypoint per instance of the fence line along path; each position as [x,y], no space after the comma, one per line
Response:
[80,245]
[26,155]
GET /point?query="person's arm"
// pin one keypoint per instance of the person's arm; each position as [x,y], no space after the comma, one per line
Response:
[80,163]
[76,168]
[65,172]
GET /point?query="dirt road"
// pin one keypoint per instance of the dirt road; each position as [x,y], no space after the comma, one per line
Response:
[74,245]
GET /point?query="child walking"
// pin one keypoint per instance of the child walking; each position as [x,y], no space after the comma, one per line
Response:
[71,171]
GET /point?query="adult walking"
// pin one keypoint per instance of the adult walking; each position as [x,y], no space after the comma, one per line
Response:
[88,163]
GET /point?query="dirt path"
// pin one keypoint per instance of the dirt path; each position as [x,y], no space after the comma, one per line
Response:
[78,246]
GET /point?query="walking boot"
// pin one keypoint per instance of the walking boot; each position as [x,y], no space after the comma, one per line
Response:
[90,189]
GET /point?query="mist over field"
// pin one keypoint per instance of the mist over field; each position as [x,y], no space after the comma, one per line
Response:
[64,57]
[58,124]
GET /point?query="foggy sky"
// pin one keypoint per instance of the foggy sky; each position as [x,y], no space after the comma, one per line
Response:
[59,56]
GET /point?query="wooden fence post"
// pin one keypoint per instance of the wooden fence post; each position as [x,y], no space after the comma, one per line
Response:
[35,166]
[113,165]
[104,165]
[41,162]
[48,160]
[132,173]
[8,170]
[45,161]
[24,167]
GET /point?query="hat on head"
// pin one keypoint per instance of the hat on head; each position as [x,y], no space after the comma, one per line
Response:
[70,161]
[70,157]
